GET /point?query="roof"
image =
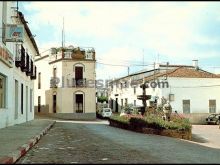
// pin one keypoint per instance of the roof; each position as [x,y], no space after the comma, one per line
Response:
[133,74]
[188,66]
[42,57]
[184,73]
[21,16]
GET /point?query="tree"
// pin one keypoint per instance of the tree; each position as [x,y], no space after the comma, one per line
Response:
[101,99]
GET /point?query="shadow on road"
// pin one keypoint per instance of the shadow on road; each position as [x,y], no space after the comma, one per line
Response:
[199,139]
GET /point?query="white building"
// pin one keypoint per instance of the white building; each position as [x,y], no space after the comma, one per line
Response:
[17,69]
[65,86]
[191,91]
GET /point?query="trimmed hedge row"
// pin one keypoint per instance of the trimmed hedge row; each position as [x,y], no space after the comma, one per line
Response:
[177,127]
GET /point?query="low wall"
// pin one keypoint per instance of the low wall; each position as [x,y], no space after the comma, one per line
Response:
[44,109]
[197,118]
[171,133]
[70,116]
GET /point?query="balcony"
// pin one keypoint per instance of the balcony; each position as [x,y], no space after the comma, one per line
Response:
[25,68]
[30,69]
[79,82]
[34,73]
[54,81]
[20,56]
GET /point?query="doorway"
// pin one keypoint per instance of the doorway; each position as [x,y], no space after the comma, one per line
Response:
[54,103]
[116,105]
[79,103]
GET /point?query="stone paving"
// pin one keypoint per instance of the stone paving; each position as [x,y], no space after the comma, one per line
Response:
[92,142]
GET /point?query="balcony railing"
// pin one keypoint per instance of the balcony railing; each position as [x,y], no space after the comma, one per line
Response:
[79,82]
[34,73]
[30,69]
[25,68]
[54,82]
[20,56]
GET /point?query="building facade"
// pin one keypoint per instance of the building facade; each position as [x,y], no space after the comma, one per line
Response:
[191,91]
[17,67]
[65,86]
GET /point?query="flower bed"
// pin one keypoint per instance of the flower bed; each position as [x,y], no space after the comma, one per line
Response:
[152,124]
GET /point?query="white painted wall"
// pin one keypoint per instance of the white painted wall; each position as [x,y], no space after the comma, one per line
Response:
[7,115]
[43,68]
[199,97]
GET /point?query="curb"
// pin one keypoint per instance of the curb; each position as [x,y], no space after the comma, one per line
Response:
[22,150]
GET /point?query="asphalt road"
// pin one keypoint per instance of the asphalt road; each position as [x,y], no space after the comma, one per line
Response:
[97,142]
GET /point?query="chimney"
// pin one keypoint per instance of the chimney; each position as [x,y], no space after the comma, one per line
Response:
[195,64]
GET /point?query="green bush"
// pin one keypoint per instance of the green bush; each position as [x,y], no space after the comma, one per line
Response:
[154,121]
[137,122]
[122,119]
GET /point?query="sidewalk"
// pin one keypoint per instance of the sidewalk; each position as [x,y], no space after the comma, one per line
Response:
[16,140]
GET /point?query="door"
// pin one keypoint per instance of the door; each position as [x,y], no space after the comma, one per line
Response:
[116,105]
[79,103]
[16,99]
[78,75]
[54,103]
[39,103]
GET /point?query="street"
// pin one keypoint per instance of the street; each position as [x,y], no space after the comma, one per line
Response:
[97,142]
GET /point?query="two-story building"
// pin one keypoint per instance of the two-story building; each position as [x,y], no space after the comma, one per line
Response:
[17,69]
[65,86]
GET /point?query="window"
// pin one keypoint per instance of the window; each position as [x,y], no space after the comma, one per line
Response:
[186,106]
[39,80]
[27,102]
[212,106]
[78,75]
[126,101]
[122,103]
[134,102]
[134,90]
[89,55]
[2,91]
[54,72]
[22,99]
[171,97]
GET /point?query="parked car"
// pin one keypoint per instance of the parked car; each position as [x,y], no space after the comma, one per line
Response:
[106,112]
[213,119]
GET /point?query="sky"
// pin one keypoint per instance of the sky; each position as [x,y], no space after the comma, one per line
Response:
[130,34]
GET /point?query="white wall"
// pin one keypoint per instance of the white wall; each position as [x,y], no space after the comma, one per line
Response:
[199,96]
[7,115]
[46,74]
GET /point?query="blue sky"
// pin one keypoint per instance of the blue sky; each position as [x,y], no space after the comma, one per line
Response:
[123,32]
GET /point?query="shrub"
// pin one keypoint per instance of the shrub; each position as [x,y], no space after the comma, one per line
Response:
[137,122]
[154,121]
[122,119]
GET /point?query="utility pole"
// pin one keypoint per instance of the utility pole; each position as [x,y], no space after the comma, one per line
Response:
[63,35]
[143,58]
[154,71]
[128,70]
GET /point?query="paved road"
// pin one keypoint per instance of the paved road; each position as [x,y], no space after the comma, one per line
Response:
[207,135]
[95,142]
